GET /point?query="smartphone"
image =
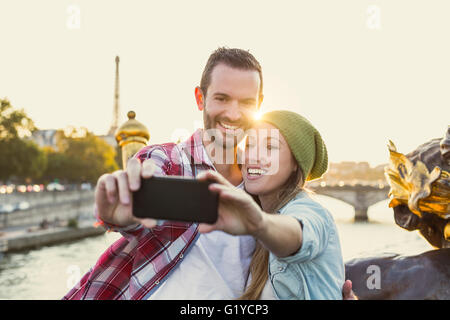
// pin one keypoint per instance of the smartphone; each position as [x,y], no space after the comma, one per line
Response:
[175,198]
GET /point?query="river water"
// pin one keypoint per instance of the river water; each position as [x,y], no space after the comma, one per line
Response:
[49,272]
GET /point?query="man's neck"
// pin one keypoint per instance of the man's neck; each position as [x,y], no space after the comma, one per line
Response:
[231,172]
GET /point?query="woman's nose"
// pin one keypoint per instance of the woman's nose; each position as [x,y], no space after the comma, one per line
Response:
[251,156]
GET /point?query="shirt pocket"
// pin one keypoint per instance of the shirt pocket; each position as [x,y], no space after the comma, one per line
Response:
[284,281]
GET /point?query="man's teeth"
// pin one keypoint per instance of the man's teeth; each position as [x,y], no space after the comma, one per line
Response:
[227,126]
[256,171]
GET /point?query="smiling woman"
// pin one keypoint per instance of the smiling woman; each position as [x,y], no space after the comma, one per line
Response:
[298,253]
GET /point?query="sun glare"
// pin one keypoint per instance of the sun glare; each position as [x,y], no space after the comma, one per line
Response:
[257,115]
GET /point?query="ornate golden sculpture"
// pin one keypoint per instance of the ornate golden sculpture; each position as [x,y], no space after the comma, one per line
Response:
[131,137]
[413,185]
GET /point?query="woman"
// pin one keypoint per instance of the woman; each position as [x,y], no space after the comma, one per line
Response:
[298,254]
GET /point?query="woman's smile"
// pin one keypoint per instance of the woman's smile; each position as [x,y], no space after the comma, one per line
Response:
[254,172]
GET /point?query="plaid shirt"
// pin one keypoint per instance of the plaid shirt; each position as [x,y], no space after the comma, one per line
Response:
[134,266]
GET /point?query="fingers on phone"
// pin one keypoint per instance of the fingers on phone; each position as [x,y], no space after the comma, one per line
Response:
[134,174]
[148,168]
[122,184]
[111,188]
[208,175]
[148,223]
[205,228]
[216,187]
[213,176]
[202,175]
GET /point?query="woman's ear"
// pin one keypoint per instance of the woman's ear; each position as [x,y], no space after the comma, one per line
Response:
[199,98]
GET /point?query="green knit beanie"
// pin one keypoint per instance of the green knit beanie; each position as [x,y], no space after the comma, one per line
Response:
[303,139]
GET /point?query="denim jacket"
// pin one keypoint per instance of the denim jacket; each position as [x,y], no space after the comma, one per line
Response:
[316,270]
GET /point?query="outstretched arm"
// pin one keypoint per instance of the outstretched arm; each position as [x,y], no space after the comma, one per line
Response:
[239,214]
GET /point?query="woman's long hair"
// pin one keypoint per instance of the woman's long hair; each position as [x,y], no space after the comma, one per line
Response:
[260,260]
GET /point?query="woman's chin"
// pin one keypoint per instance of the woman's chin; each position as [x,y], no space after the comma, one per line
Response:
[255,187]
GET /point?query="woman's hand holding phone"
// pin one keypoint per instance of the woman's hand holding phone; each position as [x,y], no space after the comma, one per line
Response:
[238,213]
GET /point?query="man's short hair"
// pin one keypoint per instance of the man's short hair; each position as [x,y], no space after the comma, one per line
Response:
[235,58]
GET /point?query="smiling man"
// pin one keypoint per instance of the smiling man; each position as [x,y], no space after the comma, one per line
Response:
[230,93]
[172,260]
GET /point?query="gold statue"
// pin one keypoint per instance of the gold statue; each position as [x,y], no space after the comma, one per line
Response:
[413,185]
[420,189]
[131,137]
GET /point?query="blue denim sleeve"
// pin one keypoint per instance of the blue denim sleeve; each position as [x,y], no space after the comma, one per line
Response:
[315,231]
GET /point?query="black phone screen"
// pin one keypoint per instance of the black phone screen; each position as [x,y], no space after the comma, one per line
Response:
[175,198]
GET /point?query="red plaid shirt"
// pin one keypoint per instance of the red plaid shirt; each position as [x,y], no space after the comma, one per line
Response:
[134,266]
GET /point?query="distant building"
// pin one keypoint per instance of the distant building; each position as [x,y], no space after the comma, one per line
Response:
[348,171]
[110,139]
[46,138]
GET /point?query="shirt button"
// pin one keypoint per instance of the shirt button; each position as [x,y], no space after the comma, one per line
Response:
[181,256]
[157,282]
[280,268]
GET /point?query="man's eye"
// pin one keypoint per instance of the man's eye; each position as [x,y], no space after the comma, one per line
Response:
[248,104]
[220,99]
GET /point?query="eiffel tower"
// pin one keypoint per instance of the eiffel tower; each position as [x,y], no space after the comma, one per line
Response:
[115,122]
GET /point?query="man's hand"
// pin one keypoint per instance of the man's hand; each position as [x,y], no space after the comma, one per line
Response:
[347,292]
[113,197]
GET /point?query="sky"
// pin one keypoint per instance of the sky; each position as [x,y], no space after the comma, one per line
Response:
[362,71]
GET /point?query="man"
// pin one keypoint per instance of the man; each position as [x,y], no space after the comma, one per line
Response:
[172,260]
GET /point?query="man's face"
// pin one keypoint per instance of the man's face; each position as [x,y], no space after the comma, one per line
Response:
[230,104]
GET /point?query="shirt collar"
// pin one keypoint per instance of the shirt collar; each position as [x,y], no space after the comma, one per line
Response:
[194,147]
[196,150]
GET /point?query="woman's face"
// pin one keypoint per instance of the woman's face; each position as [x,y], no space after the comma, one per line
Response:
[268,160]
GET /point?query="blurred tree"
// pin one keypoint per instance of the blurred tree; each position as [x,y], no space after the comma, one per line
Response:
[78,156]
[81,156]
[57,164]
[118,158]
[14,123]
[19,157]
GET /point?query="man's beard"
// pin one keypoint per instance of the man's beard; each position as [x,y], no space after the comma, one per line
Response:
[227,140]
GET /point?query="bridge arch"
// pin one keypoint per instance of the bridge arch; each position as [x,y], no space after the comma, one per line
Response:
[361,197]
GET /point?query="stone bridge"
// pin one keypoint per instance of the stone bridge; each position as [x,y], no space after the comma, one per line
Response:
[361,197]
